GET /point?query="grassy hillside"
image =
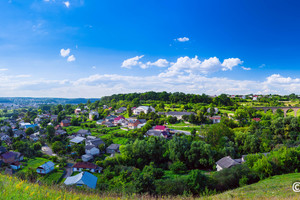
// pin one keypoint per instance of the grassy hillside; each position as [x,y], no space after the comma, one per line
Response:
[276,187]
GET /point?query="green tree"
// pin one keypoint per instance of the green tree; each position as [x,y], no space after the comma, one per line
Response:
[197,182]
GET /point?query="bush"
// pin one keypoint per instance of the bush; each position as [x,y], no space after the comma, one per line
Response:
[231,178]
[175,186]
[178,167]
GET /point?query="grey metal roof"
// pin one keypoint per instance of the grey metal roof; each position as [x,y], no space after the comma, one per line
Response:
[179,113]
[114,146]
[226,162]
[77,139]
[153,133]
[95,142]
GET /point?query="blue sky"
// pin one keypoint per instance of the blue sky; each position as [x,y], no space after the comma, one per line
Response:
[92,48]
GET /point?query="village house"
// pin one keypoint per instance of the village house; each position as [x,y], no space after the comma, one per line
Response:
[91,149]
[215,119]
[11,156]
[60,132]
[160,128]
[87,157]
[77,140]
[83,178]
[77,111]
[93,115]
[83,133]
[118,120]
[108,124]
[121,110]
[45,168]
[153,132]
[178,115]
[16,165]
[133,124]
[93,141]
[110,118]
[144,109]
[78,167]
[65,123]
[113,148]
[226,162]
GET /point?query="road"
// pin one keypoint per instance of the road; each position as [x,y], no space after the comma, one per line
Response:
[47,150]
[69,170]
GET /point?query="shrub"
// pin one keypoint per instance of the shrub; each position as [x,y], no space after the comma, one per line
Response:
[178,167]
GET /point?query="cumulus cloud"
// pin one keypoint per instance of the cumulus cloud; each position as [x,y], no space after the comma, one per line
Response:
[246,68]
[182,39]
[67,4]
[65,52]
[194,65]
[129,63]
[159,63]
[71,58]
[98,85]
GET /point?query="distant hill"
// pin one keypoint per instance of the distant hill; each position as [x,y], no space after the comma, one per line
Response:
[31,100]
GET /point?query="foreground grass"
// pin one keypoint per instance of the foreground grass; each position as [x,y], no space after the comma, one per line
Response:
[15,189]
[276,187]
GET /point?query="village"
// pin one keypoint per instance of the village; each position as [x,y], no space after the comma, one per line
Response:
[93,146]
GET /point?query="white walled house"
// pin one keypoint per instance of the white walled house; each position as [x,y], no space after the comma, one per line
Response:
[144,109]
[78,167]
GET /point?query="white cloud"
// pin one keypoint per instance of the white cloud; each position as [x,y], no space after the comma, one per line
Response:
[278,79]
[3,69]
[71,58]
[159,63]
[194,66]
[229,63]
[246,68]
[132,62]
[67,4]
[65,52]
[98,85]
[183,39]
[262,65]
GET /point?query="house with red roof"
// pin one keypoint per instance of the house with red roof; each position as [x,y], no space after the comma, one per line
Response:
[120,119]
[256,119]
[215,119]
[133,124]
[160,128]
[78,167]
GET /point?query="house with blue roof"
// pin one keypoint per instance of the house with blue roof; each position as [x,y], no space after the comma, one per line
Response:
[45,168]
[83,178]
